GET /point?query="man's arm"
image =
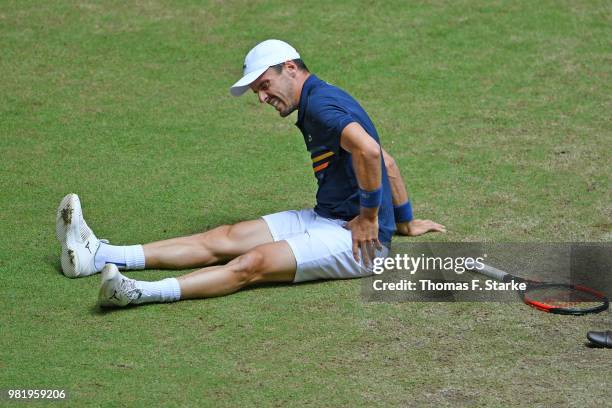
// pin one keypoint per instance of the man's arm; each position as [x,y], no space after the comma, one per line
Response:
[410,227]
[366,155]
[398,189]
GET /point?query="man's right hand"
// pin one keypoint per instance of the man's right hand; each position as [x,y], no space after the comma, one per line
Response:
[364,231]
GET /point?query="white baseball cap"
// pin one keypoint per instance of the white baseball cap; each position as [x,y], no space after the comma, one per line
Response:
[259,59]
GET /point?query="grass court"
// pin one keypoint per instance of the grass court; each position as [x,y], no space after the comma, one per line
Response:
[498,113]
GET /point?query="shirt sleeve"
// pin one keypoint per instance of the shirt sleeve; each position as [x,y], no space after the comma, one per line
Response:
[331,119]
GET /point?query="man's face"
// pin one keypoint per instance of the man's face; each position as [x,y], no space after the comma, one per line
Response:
[277,90]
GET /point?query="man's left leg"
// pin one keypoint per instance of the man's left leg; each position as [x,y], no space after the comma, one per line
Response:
[273,262]
[83,254]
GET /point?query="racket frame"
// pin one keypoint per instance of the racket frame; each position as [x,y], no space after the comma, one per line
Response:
[499,275]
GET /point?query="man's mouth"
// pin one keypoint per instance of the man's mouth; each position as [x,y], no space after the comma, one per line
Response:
[275,103]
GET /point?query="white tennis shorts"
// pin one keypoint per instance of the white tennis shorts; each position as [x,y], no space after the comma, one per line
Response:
[322,247]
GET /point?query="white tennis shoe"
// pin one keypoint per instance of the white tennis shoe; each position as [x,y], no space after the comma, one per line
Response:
[79,244]
[117,290]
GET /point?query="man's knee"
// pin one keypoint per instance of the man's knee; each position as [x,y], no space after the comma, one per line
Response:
[215,235]
[249,267]
[234,232]
[223,235]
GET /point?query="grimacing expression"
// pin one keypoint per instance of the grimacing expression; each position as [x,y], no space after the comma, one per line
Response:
[277,90]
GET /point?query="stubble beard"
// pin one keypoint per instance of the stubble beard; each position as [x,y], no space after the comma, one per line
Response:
[286,112]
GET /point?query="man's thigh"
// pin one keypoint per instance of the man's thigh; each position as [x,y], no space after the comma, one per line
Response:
[229,241]
[246,235]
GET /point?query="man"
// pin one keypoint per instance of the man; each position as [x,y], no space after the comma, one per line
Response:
[352,223]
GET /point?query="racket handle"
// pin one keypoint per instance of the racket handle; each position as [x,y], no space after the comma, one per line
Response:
[492,272]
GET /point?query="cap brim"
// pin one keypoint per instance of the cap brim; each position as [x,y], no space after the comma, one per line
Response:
[242,85]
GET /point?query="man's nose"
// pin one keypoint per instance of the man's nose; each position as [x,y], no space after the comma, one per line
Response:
[263,97]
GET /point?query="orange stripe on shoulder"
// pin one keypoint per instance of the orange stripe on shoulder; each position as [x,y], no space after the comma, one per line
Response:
[321,167]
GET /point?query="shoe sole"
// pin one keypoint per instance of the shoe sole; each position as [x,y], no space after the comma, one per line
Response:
[63,224]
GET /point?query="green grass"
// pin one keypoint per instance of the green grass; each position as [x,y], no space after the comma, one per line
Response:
[498,112]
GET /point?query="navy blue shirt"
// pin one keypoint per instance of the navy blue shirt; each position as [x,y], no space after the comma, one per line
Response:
[323,113]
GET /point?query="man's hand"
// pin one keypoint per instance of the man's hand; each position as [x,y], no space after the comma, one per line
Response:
[364,231]
[418,227]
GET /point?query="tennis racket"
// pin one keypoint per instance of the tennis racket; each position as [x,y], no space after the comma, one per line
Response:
[559,298]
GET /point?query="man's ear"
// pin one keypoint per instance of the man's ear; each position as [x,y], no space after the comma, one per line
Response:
[291,68]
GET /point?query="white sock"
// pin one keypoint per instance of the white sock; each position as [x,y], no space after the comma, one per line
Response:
[125,257]
[165,290]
